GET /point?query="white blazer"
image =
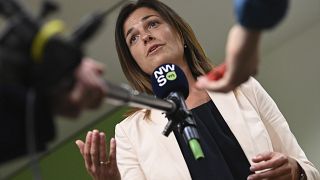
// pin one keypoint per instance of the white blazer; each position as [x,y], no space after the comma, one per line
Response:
[253,117]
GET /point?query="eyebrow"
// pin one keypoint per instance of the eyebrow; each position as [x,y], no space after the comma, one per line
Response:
[142,19]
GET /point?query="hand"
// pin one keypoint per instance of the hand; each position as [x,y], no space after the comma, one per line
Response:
[241,61]
[275,166]
[94,154]
[89,89]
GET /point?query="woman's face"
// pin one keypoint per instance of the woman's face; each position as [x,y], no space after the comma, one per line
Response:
[151,40]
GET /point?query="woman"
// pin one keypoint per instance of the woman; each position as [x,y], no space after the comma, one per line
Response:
[243,134]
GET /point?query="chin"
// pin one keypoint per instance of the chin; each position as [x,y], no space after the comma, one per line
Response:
[164,60]
[161,59]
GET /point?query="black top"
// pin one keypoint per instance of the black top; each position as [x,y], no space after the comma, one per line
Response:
[224,158]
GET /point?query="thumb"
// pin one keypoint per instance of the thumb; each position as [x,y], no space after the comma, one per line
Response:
[113,153]
[80,145]
[220,85]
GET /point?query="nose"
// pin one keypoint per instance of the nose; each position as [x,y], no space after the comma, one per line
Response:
[147,37]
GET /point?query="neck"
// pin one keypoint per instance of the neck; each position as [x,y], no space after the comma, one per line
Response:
[196,96]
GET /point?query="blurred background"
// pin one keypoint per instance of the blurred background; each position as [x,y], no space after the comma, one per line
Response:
[289,71]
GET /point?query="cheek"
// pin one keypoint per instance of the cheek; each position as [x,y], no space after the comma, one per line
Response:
[176,44]
[171,36]
[138,57]
[136,54]
[178,47]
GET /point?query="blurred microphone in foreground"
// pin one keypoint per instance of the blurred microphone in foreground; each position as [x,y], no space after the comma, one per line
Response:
[43,73]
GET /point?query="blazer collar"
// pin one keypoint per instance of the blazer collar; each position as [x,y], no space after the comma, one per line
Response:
[230,110]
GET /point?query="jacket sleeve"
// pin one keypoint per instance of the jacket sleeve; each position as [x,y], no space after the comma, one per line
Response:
[283,140]
[127,160]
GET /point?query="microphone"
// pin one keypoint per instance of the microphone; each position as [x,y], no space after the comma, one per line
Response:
[91,24]
[169,82]
[255,15]
[260,14]
[124,95]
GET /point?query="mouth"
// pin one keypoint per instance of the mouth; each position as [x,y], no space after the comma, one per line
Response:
[153,49]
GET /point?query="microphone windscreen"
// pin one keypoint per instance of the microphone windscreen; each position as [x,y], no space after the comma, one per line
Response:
[169,78]
[260,14]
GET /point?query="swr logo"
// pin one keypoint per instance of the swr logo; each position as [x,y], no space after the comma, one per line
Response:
[165,73]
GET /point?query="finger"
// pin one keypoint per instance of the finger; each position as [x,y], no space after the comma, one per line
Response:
[99,67]
[87,147]
[220,85]
[94,150]
[112,154]
[80,145]
[262,157]
[92,77]
[217,72]
[277,173]
[275,162]
[103,148]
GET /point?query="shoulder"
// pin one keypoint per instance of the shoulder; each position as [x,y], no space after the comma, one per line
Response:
[252,85]
[137,123]
[133,119]
[252,89]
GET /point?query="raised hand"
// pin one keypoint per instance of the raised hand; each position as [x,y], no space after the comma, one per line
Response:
[241,61]
[93,151]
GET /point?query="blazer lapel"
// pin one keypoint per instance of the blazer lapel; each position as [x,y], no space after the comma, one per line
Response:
[168,145]
[230,111]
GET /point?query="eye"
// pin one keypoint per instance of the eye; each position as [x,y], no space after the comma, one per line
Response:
[153,24]
[133,39]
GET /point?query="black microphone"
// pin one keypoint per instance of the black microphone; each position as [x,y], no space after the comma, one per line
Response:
[91,24]
[169,82]
[124,95]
